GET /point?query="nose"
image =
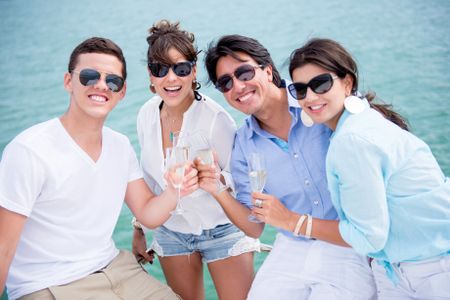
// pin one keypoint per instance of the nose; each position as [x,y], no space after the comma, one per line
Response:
[310,95]
[238,84]
[101,83]
[171,75]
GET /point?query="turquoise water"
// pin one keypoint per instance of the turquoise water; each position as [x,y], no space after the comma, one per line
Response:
[402,47]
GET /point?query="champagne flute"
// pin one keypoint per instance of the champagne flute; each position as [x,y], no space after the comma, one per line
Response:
[178,138]
[176,162]
[201,147]
[257,175]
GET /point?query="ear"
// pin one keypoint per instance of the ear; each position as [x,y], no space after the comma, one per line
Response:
[269,71]
[123,91]
[68,82]
[194,70]
[348,84]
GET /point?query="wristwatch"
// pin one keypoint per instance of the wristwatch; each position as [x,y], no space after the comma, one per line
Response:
[136,224]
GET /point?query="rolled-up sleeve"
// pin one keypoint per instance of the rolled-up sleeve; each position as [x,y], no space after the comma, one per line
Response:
[356,171]
[239,170]
[222,138]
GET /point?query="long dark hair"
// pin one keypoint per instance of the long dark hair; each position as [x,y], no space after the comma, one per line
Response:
[331,56]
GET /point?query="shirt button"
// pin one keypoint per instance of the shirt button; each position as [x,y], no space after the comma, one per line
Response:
[295,155]
[316,202]
[307,183]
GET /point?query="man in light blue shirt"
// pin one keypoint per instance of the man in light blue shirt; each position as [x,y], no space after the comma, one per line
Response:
[296,186]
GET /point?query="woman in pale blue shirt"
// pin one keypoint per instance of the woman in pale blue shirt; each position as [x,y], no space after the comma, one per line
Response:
[391,196]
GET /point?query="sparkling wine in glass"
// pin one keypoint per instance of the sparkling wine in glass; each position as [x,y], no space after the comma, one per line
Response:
[206,155]
[176,161]
[257,175]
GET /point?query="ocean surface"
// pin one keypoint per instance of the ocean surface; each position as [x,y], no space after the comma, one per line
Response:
[402,48]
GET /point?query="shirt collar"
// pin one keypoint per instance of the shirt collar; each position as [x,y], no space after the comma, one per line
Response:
[346,114]
[191,109]
[253,125]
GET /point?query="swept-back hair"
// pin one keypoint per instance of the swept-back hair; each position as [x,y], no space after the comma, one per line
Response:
[229,45]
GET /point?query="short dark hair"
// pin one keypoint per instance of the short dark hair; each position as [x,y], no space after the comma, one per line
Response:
[98,45]
[164,35]
[229,45]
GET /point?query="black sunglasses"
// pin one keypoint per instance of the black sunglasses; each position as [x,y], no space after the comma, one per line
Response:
[90,77]
[243,73]
[319,85]
[181,69]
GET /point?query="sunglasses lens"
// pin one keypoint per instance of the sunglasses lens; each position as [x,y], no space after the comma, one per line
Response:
[298,90]
[245,73]
[114,82]
[89,77]
[158,70]
[321,84]
[224,83]
[182,69]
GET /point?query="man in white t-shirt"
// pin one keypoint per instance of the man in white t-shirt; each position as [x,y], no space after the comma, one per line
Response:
[62,186]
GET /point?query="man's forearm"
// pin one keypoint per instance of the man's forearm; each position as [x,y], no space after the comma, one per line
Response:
[238,214]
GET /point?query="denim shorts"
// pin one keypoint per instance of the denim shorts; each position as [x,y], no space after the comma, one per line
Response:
[214,244]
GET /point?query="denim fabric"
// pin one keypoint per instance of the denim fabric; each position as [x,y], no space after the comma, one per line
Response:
[220,242]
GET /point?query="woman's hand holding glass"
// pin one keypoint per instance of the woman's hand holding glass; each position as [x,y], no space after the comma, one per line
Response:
[180,174]
[271,211]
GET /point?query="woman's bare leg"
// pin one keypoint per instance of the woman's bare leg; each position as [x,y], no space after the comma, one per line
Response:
[233,276]
[184,274]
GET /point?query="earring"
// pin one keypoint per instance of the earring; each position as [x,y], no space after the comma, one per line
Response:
[353,104]
[196,86]
[306,120]
[152,88]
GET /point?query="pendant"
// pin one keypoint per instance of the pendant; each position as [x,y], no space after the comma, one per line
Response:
[171,137]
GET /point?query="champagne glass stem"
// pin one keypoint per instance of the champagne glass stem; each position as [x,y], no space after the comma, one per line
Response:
[178,199]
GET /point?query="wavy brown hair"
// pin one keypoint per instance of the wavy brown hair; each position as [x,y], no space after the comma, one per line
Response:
[164,35]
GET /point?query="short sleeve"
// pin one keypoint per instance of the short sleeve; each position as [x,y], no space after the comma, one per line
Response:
[135,171]
[22,177]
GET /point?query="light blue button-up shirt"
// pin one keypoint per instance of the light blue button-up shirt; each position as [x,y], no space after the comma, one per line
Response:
[390,194]
[295,171]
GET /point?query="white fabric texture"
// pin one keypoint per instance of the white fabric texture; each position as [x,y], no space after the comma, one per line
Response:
[425,280]
[312,269]
[206,116]
[72,204]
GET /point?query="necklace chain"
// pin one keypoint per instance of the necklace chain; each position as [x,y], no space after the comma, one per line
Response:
[170,123]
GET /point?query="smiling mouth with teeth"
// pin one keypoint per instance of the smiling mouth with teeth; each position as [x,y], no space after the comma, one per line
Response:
[244,97]
[172,89]
[316,107]
[98,98]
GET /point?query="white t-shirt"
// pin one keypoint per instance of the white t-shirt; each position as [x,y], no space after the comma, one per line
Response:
[206,116]
[72,204]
